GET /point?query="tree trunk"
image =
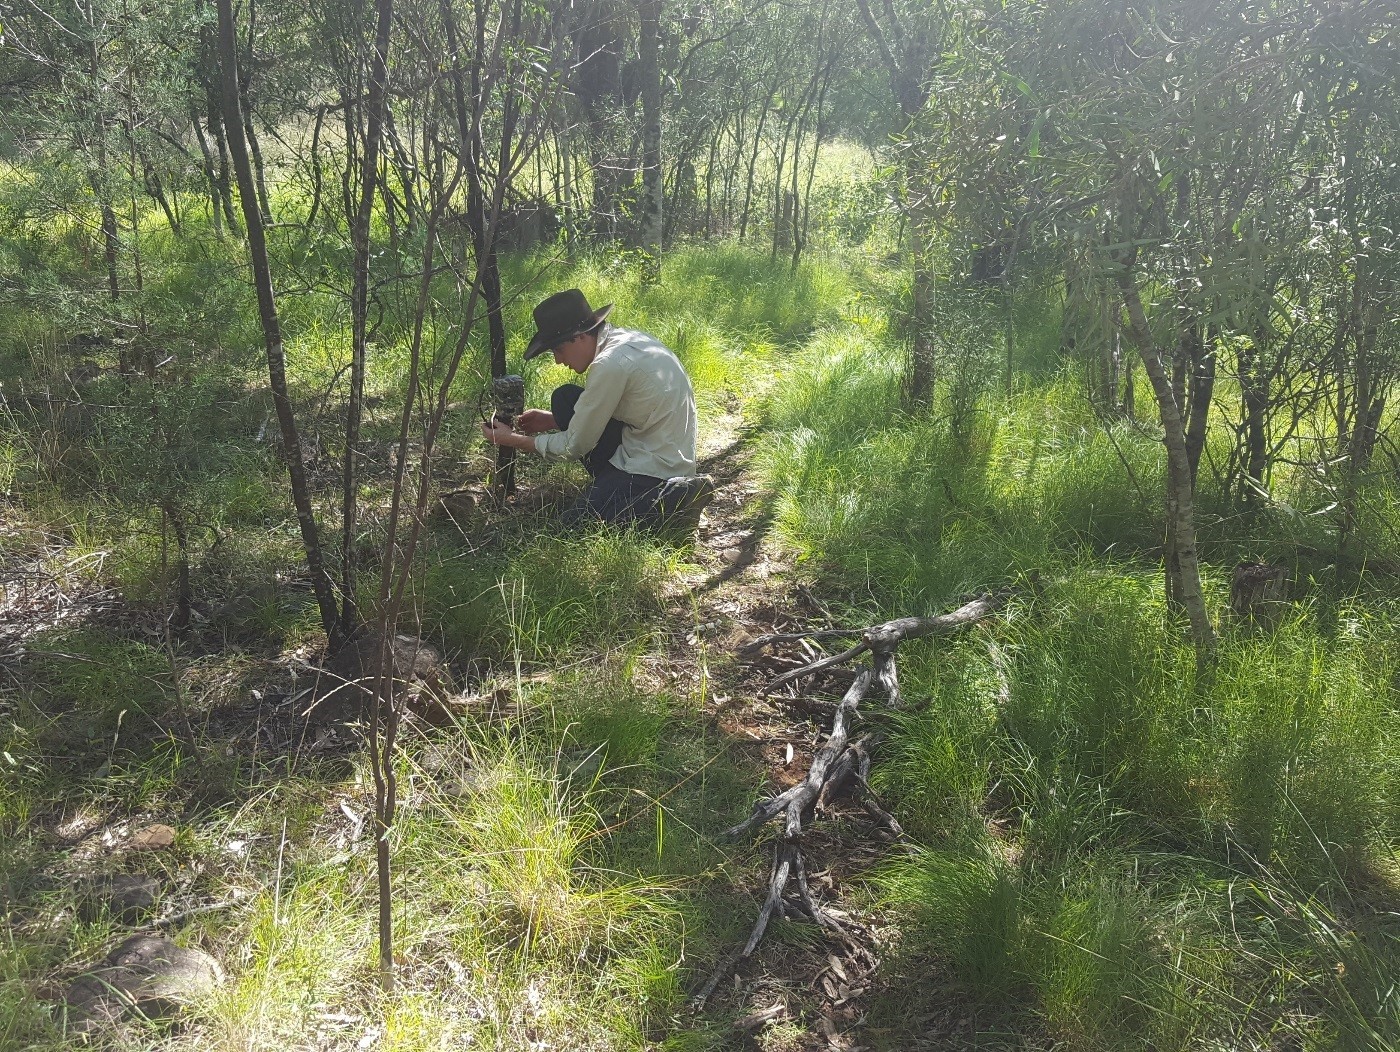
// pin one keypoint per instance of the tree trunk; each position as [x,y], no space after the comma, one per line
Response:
[259,177]
[1367,401]
[359,323]
[97,177]
[920,376]
[764,107]
[254,148]
[206,153]
[315,161]
[155,190]
[1200,378]
[563,134]
[216,127]
[799,234]
[906,62]
[1254,407]
[479,211]
[653,203]
[272,328]
[1183,572]
[597,84]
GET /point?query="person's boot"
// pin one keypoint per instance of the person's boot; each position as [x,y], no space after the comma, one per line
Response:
[681,502]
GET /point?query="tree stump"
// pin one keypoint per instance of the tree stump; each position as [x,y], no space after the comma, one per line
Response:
[1258,592]
[343,691]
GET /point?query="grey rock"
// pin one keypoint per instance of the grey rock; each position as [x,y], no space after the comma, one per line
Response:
[125,896]
[147,975]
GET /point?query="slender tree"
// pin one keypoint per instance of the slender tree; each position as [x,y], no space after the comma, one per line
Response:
[359,311]
[272,326]
[906,39]
[649,72]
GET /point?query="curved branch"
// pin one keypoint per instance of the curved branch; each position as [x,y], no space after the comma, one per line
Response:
[839,763]
[816,666]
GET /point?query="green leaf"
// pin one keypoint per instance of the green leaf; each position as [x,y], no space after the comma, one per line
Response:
[1033,142]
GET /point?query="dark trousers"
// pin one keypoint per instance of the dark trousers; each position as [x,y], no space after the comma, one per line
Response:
[615,495]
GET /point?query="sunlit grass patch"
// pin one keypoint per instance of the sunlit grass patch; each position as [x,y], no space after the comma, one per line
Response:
[595,589]
[1306,735]
[508,928]
[1075,776]
[1088,953]
[1112,967]
[932,503]
[508,836]
[98,677]
[1075,479]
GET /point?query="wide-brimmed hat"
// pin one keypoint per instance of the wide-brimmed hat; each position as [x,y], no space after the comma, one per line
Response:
[562,317]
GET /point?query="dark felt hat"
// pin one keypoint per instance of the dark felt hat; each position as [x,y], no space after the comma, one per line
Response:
[561,317]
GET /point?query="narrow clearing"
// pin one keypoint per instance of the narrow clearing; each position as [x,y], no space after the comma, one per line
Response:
[807,988]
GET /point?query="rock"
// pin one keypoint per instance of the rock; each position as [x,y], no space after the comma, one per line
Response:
[155,837]
[342,692]
[1258,592]
[458,505]
[125,896]
[148,974]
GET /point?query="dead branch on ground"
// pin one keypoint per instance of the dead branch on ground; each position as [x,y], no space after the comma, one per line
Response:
[840,766]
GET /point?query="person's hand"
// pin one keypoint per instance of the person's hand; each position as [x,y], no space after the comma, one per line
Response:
[497,433]
[535,422]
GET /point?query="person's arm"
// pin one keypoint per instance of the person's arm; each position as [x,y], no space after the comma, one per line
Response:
[596,406]
[499,434]
[527,424]
[535,422]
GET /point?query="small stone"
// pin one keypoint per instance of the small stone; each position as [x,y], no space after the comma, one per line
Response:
[152,838]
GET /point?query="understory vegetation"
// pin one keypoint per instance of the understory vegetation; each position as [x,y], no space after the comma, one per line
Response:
[1093,304]
[1115,848]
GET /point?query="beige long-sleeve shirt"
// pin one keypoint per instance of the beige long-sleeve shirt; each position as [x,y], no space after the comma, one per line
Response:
[635,379]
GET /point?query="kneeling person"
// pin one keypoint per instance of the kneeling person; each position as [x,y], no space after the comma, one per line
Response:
[633,425]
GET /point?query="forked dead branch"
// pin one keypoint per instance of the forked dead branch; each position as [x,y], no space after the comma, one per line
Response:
[840,767]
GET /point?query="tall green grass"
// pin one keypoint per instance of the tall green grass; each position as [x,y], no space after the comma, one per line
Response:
[1093,811]
[540,865]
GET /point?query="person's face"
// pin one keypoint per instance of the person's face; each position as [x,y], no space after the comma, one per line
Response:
[577,352]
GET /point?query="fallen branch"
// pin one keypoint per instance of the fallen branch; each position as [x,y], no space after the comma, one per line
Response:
[804,794]
[817,666]
[882,640]
[759,642]
[174,920]
[840,766]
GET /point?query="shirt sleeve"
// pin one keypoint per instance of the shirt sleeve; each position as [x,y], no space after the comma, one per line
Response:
[601,395]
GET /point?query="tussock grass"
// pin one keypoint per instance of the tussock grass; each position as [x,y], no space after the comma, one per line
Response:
[512,928]
[508,930]
[548,597]
[547,869]
[1093,810]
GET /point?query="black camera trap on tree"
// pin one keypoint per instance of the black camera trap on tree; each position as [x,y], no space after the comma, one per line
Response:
[507,403]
